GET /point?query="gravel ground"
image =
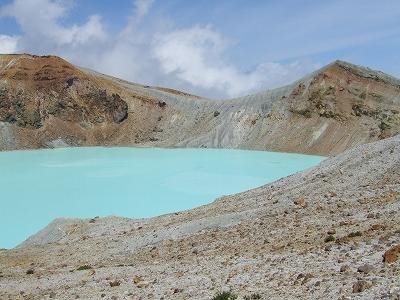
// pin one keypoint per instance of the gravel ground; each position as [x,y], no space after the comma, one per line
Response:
[329,232]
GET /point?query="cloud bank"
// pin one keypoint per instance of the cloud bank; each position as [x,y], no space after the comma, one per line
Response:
[8,44]
[191,59]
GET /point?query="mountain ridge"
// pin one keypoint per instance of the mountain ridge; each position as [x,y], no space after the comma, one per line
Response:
[332,109]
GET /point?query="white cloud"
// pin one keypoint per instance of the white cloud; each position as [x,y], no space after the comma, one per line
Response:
[8,44]
[92,30]
[192,59]
[196,56]
[40,22]
[142,7]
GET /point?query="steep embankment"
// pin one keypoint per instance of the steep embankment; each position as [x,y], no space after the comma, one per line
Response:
[47,102]
[326,233]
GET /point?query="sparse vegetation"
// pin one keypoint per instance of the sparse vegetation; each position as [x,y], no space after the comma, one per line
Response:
[306,112]
[355,234]
[225,296]
[329,238]
[84,267]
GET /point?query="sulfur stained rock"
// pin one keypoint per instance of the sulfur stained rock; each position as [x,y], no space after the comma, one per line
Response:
[49,88]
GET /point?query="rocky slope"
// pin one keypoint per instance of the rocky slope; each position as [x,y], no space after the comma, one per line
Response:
[331,232]
[47,102]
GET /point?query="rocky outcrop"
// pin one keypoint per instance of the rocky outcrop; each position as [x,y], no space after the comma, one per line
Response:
[48,101]
[36,89]
[392,255]
[346,93]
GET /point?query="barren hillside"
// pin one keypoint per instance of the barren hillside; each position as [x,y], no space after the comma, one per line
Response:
[47,102]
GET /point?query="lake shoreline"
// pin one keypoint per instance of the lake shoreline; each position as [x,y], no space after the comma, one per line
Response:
[283,234]
[79,182]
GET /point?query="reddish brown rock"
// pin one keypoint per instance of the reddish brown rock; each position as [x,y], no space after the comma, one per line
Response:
[392,255]
[50,87]
[300,202]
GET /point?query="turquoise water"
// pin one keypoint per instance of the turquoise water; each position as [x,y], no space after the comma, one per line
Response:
[39,186]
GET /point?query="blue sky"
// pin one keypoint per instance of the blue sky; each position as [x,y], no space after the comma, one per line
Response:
[214,48]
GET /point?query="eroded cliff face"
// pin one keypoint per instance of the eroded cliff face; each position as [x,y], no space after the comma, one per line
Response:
[346,94]
[47,102]
[337,108]
[35,89]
